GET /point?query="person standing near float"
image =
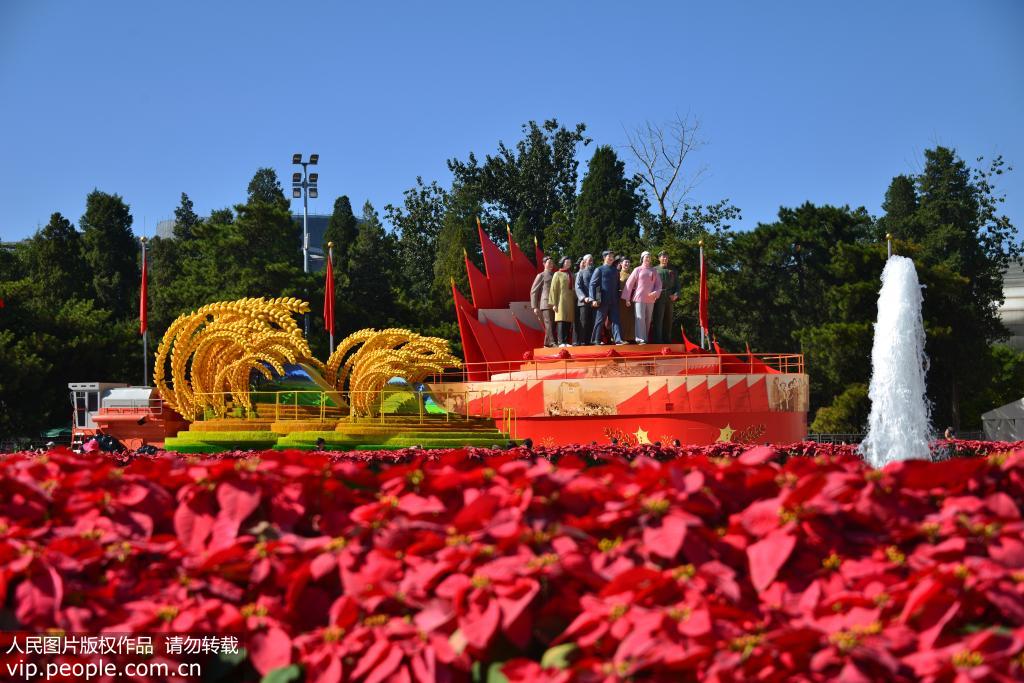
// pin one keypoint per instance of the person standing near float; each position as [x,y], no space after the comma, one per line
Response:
[604,291]
[584,310]
[563,301]
[662,325]
[539,293]
[642,289]
[626,321]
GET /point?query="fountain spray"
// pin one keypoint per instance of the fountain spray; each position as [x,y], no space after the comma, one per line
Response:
[899,423]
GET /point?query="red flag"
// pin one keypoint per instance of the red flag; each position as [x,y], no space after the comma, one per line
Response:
[479,287]
[703,303]
[329,294]
[498,267]
[538,255]
[523,271]
[143,295]
[687,344]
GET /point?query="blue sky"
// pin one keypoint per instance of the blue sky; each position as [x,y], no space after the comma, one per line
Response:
[818,101]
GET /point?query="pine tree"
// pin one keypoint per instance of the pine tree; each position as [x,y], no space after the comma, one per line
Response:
[608,206]
[342,229]
[55,262]
[961,246]
[369,264]
[185,218]
[265,187]
[268,259]
[111,252]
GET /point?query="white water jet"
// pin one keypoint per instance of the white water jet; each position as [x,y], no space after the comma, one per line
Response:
[899,425]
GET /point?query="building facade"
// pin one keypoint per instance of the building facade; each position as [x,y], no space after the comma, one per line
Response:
[1012,310]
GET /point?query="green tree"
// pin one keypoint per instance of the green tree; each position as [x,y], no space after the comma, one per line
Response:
[48,340]
[185,218]
[111,252]
[457,239]
[526,184]
[265,187]
[948,218]
[608,208]
[342,228]
[1003,370]
[847,414]
[369,262]
[267,259]
[417,224]
[55,262]
[558,236]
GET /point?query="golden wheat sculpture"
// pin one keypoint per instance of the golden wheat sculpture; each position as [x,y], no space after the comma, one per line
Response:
[377,356]
[214,350]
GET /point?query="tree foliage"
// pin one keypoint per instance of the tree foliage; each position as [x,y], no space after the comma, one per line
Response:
[608,208]
[111,251]
[342,228]
[524,185]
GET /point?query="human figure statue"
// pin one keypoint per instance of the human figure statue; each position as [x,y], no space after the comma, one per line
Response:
[662,324]
[584,310]
[563,301]
[626,321]
[604,292]
[539,293]
[642,289]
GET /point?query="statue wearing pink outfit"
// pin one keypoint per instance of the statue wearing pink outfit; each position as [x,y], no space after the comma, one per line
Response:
[641,291]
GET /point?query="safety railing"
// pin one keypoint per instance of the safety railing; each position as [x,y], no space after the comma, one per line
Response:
[609,365]
[508,422]
[386,406]
[270,405]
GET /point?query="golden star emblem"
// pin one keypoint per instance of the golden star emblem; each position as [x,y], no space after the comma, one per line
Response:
[641,436]
[725,434]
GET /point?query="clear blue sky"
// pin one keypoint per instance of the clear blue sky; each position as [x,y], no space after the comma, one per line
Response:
[818,101]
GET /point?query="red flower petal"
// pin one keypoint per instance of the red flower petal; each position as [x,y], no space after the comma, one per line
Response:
[666,540]
[270,649]
[767,557]
[237,500]
[193,522]
[480,622]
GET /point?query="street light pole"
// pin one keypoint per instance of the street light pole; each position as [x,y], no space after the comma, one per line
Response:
[304,185]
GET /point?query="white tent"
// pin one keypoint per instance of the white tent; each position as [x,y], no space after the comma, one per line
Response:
[1005,423]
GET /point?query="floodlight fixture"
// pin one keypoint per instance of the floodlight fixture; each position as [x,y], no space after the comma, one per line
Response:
[304,187]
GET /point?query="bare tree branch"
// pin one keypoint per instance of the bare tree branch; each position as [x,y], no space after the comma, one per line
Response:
[661,152]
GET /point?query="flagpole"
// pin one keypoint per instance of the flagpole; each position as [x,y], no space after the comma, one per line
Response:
[145,326]
[330,260]
[700,300]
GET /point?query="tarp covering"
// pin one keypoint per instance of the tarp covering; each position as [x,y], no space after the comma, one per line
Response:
[1005,423]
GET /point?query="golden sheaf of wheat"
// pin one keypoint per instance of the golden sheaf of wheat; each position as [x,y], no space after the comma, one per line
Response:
[212,353]
[367,359]
[214,350]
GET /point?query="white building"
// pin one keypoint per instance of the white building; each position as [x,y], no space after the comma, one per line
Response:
[1012,310]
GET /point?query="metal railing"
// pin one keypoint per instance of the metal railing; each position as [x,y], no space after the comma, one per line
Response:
[835,438]
[509,423]
[556,367]
[276,406]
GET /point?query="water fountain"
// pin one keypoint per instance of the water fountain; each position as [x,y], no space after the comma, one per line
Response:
[899,423]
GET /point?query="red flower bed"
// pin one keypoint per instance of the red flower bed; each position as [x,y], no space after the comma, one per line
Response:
[580,565]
